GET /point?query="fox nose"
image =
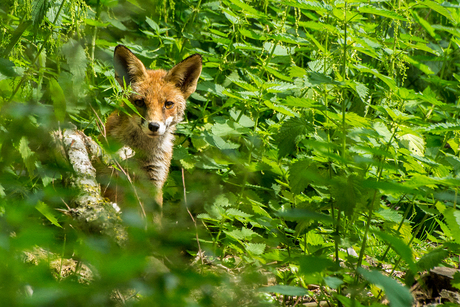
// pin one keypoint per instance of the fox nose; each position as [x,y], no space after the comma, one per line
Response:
[154,126]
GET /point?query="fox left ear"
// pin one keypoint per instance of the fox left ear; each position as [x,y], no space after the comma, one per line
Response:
[128,68]
[185,74]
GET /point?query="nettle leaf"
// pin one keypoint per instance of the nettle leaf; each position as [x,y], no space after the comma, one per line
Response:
[58,98]
[303,173]
[345,193]
[452,217]
[288,135]
[316,78]
[247,8]
[252,34]
[432,259]
[440,9]
[300,102]
[455,282]
[401,248]
[8,69]
[387,80]
[220,143]
[313,264]
[153,25]
[414,143]
[360,89]
[285,290]
[28,156]
[397,294]
[280,109]
[255,248]
[231,16]
[39,9]
[77,61]
[389,215]
[300,214]
[242,234]
[425,24]
[380,12]
[442,127]
[48,213]
[423,67]
[237,213]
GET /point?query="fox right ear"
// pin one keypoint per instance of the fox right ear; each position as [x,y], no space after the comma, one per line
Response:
[128,68]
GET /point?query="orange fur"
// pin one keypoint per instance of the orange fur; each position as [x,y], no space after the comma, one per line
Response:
[160,98]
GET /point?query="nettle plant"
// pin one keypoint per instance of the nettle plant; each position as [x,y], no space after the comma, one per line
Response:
[321,142]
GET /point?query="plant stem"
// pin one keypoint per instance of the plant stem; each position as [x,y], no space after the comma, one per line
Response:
[371,205]
[37,55]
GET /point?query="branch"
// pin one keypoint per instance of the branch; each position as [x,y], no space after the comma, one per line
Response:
[90,210]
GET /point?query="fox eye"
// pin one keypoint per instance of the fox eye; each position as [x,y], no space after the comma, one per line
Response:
[139,102]
[169,104]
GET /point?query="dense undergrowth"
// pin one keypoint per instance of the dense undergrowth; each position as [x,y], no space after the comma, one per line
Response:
[321,147]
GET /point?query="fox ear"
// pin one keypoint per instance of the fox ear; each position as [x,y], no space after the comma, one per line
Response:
[127,66]
[185,74]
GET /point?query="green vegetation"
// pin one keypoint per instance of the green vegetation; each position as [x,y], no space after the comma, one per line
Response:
[321,148]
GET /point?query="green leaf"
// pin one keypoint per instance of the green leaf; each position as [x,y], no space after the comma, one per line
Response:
[2,191]
[455,282]
[153,25]
[8,69]
[76,59]
[432,259]
[316,78]
[401,248]
[452,217]
[398,295]
[440,9]
[300,102]
[255,248]
[247,8]
[285,290]
[360,89]
[242,234]
[58,98]
[27,155]
[39,9]
[299,214]
[303,173]
[414,143]
[280,108]
[387,80]
[220,143]
[380,12]
[389,215]
[48,213]
[288,134]
[425,24]
[237,213]
[313,264]
[333,282]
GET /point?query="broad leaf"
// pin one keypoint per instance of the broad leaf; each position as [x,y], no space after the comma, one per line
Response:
[398,295]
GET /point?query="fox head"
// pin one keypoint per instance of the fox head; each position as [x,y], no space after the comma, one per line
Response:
[159,95]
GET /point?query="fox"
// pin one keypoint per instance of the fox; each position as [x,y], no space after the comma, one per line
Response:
[160,99]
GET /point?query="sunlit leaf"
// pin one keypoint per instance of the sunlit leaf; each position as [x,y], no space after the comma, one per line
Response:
[381,12]
[48,213]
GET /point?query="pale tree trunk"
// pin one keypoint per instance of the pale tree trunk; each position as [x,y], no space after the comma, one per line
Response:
[91,212]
